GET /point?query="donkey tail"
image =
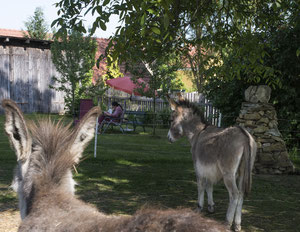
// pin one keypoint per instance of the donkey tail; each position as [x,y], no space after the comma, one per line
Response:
[248,159]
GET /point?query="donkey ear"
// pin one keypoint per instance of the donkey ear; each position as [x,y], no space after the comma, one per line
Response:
[84,132]
[173,104]
[17,130]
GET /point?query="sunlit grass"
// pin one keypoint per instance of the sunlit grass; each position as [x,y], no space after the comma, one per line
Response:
[134,170]
[128,163]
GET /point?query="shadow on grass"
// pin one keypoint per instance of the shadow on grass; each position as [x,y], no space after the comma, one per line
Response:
[122,187]
[8,199]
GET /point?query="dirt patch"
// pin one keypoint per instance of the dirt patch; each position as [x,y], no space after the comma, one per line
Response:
[9,220]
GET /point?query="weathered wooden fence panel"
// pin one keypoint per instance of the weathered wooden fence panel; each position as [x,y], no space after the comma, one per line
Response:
[25,75]
[4,73]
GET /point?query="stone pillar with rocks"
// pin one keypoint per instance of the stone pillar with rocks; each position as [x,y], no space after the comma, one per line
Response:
[260,119]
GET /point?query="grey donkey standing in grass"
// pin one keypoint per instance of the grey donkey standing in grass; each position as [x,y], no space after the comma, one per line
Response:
[218,153]
[43,180]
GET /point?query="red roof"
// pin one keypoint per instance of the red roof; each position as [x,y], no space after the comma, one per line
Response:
[102,44]
[12,33]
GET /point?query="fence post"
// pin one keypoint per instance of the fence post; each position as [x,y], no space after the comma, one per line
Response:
[220,119]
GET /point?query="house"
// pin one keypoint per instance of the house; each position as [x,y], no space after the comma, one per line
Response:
[26,70]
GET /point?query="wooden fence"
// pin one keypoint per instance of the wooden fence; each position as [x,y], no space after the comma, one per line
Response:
[136,103]
[25,75]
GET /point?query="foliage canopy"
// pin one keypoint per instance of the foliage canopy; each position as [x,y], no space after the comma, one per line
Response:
[161,26]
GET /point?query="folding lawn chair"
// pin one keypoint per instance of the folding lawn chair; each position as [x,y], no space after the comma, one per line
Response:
[111,122]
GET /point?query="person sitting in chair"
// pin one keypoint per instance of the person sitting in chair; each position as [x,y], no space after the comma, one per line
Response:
[117,111]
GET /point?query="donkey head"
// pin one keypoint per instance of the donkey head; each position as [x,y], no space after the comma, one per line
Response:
[185,118]
[45,152]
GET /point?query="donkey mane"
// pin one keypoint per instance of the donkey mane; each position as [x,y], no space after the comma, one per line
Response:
[195,109]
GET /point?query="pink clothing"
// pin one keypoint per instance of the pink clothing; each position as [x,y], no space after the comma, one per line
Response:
[117,113]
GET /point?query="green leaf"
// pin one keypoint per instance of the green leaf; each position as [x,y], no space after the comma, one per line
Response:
[88,10]
[54,22]
[155,30]
[99,9]
[102,25]
[151,11]
[298,52]
[143,19]
[166,21]
[166,36]
[143,31]
[105,2]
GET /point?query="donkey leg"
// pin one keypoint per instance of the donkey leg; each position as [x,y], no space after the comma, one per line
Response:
[210,200]
[201,188]
[238,213]
[233,191]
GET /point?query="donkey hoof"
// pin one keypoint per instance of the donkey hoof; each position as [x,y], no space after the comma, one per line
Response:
[228,225]
[199,209]
[236,228]
[211,208]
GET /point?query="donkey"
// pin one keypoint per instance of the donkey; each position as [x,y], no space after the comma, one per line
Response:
[43,180]
[217,153]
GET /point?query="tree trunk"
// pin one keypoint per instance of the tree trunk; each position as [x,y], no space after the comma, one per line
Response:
[154,114]
[73,105]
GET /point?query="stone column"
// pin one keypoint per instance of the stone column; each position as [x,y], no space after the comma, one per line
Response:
[260,119]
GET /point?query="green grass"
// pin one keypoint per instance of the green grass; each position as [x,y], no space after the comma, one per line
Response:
[134,170]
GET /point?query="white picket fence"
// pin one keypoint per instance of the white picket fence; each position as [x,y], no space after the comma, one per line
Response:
[136,103]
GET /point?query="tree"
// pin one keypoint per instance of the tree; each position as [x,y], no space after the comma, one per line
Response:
[197,61]
[162,26]
[227,93]
[159,75]
[36,25]
[74,57]
[143,56]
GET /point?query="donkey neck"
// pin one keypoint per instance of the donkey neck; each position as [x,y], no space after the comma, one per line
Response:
[193,127]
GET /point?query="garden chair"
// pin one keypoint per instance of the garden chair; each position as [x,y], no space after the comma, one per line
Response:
[84,107]
[111,122]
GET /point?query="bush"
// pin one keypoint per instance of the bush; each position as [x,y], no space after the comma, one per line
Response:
[165,115]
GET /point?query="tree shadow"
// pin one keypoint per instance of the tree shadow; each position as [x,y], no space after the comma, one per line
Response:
[124,188]
[26,79]
[120,188]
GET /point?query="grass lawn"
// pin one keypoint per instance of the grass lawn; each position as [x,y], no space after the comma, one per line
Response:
[138,170]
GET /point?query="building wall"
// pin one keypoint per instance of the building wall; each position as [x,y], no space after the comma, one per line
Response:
[25,75]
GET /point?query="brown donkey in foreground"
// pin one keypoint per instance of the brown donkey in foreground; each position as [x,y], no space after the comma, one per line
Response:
[43,180]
